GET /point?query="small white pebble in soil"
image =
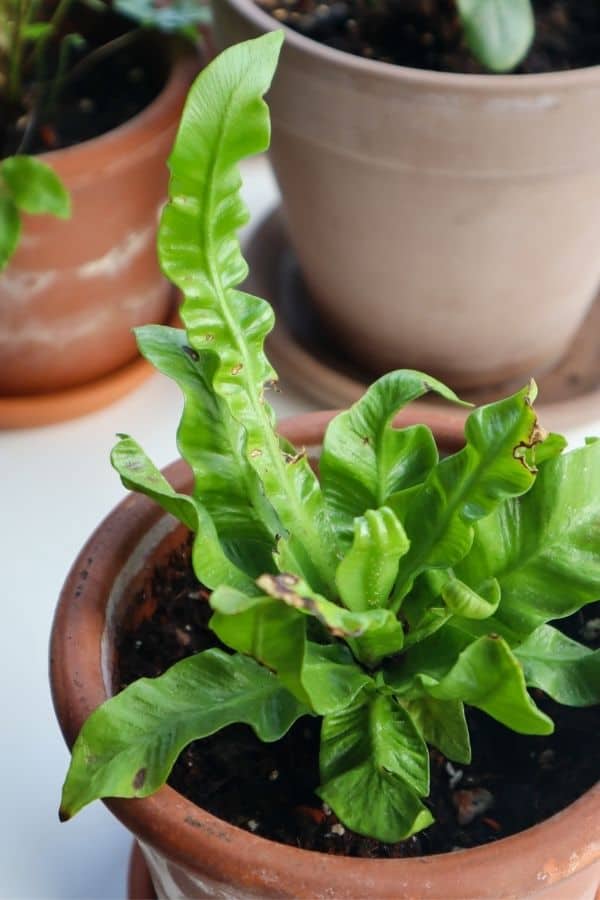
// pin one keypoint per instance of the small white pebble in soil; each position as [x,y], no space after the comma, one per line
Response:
[183,638]
[326,809]
[338,829]
[138,644]
[472,803]
[455,775]
[546,758]
[253,825]
[591,630]
[87,105]
[274,775]
[187,627]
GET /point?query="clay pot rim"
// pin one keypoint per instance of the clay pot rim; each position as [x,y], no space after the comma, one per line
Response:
[426,78]
[562,845]
[143,129]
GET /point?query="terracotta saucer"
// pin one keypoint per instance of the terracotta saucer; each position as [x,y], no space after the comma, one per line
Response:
[139,883]
[47,409]
[308,358]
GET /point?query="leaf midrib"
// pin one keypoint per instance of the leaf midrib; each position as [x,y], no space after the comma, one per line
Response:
[271,440]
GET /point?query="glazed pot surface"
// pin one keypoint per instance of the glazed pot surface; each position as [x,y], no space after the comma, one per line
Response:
[191,853]
[443,222]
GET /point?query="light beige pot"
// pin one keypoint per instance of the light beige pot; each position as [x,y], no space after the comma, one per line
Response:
[445,222]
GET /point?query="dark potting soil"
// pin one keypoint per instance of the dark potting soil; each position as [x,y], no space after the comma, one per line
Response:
[427,34]
[513,782]
[115,74]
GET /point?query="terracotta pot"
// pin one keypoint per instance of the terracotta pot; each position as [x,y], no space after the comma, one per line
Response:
[74,290]
[445,222]
[190,853]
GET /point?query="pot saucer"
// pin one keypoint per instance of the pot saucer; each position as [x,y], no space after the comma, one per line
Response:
[47,409]
[308,358]
[139,883]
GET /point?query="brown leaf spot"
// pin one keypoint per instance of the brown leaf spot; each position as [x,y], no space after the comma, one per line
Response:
[272,384]
[189,351]
[139,779]
[237,369]
[292,458]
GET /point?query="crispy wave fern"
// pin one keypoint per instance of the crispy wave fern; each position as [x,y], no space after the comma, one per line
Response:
[382,598]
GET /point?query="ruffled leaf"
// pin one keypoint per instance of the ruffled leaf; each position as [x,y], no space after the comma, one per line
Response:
[462,600]
[487,675]
[128,745]
[365,460]
[331,677]
[374,768]
[564,669]
[324,677]
[544,548]
[225,120]
[211,564]
[468,486]
[367,573]
[443,725]
[372,634]
[212,443]
[268,631]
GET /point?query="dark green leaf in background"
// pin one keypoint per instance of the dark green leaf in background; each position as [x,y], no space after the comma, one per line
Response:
[499,32]
[10,229]
[35,187]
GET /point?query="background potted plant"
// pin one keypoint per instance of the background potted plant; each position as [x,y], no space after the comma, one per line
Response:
[379,599]
[94,96]
[442,219]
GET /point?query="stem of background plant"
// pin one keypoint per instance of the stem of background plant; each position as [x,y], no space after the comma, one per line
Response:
[70,41]
[92,58]
[15,53]
[55,22]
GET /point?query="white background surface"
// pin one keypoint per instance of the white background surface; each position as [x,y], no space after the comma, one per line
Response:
[57,484]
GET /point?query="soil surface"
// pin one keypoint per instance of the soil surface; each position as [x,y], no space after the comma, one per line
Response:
[513,782]
[427,34]
[112,76]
